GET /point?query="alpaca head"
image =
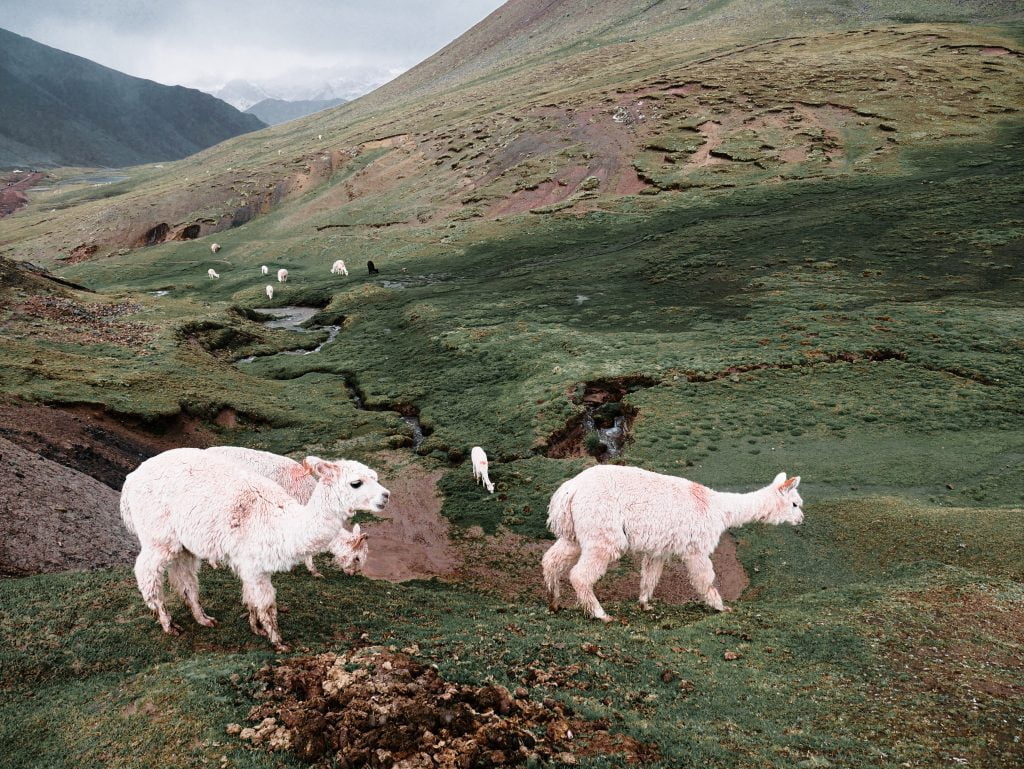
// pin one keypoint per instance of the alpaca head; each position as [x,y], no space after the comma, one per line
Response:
[350,485]
[350,550]
[786,505]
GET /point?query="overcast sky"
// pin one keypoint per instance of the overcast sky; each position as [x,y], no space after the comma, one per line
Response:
[204,43]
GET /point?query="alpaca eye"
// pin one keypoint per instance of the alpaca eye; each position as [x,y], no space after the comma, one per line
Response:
[795,505]
[356,484]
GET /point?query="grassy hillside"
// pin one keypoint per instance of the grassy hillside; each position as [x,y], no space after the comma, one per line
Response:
[783,239]
[274,111]
[63,110]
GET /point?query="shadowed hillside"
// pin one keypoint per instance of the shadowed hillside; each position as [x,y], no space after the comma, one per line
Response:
[63,110]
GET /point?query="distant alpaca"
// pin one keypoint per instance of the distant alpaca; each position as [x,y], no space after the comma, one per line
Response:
[265,270]
[479,460]
[212,273]
[339,268]
[282,275]
[609,510]
[187,506]
[214,248]
[348,548]
[270,292]
[371,269]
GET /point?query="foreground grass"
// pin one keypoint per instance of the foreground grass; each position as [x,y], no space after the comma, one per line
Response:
[843,657]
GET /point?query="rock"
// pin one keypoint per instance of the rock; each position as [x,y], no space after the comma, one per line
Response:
[731,655]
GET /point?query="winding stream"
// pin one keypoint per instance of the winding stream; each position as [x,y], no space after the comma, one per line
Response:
[291,319]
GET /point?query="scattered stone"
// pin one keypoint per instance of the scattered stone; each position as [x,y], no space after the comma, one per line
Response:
[730,655]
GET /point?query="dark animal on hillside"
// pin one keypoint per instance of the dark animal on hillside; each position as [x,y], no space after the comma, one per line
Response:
[371,269]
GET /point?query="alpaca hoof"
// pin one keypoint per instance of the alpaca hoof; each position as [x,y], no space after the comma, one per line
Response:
[553,608]
[174,629]
[207,621]
[726,608]
[282,647]
[606,619]
[646,606]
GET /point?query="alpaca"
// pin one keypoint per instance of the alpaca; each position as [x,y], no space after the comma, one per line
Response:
[479,459]
[339,268]
[264,270]
[212,273]
[609,510]
[297,480]
[270,291]
[282,275]
[187,505]
[214,248]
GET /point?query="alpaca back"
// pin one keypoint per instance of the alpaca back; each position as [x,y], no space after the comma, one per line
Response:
[286,473]
[643,511]
[214,508]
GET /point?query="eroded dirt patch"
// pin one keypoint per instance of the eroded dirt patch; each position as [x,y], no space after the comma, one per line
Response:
[376,707]
[413,542]
[86,439]
[54,518]
[509,565]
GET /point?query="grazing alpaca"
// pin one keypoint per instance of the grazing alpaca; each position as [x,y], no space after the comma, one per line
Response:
[270,292]
[187,506]
[265,270]
[212,273]
[609,510]
[214,248]
[479,459]
[339,268]
[371,268]
[282,275]
[296,479]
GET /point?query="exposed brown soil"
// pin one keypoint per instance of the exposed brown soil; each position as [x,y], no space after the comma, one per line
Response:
[413,542]
[54,518]
[12,192]
[86,323]
[90,441]
[378,708]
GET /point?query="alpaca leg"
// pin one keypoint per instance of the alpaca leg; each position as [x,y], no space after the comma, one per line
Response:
[591,566]
[149,573]
[259,595]
[311,567]
[650,574]
[702,577]
[556,563]
[183,576]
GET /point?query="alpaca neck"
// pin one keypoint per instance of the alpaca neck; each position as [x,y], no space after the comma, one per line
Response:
[315,523]
[740,509]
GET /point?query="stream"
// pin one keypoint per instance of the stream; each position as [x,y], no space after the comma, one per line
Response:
[291,319]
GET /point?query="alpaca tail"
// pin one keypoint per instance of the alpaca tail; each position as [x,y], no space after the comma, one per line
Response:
[126,514]
[560,521]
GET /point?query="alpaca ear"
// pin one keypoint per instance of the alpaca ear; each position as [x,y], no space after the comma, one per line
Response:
[791,484]
[779,479]
[355,530]
[319,468]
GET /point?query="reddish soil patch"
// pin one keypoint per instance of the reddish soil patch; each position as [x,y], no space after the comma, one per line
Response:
[994,51]
[87,439]
[413,542]
[12,193]
[54,518]
[544,194]
[87,323]
[510,566]
[378,708]
[82,253]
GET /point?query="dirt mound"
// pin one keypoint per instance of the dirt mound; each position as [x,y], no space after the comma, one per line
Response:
[87,439]
[375,707]
[54,518]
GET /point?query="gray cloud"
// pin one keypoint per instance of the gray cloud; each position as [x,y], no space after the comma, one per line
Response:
[204,43]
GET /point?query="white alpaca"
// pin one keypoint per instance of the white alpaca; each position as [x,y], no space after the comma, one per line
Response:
[349,548]
[479,460]
[265,270]
[339,268]
[214,248]
[609,510]
[212,273]
[282,275]
[270,292]
[187,506]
